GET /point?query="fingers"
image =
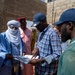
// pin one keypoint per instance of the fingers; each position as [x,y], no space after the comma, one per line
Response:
[33,57]
[9,56]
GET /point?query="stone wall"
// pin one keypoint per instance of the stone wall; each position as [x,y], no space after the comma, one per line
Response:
[54,9]
[12,9]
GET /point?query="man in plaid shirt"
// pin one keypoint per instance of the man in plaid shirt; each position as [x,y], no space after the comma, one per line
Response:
[48,47]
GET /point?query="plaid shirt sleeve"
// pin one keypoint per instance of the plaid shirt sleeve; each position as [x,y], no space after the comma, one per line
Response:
[56,45]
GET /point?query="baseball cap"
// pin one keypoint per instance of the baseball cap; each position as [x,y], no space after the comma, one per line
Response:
[22,19]
[38,17]
[66,16]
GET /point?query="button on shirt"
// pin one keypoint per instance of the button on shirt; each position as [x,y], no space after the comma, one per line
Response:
[49,44]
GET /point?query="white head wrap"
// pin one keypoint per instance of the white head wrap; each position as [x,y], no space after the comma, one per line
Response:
[11,34]
[14,23]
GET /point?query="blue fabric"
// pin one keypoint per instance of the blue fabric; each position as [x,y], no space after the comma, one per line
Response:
[49,44]
[5,70]
[5,48]
[66,16]
[37,18]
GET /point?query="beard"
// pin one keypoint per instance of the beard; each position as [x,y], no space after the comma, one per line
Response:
[41,29]
[65,35]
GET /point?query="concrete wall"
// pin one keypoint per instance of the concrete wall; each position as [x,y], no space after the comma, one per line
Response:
[12,9]
[54,9]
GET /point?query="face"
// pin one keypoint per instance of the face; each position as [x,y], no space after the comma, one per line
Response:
[41,26]
[13,30]
[23,25]
[12,27]
[65,34]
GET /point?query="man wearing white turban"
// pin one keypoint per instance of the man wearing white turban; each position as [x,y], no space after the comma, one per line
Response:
[10,44]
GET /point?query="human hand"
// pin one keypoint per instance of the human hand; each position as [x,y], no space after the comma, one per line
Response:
[33,61]
[9,57]
[34,52]
[36,61]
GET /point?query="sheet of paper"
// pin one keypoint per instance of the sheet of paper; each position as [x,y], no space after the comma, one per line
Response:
[25,59]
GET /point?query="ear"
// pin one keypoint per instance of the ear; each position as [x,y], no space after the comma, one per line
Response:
[44,21]
[70,26]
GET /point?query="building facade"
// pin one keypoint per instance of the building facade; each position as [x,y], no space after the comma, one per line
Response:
[12,9]
[56,7]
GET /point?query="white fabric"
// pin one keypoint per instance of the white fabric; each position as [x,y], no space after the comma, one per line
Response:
[13,22]
[13,36]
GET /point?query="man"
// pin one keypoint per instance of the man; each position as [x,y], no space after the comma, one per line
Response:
[26,35]
[64,45]
[10,46]
[48,47]
[67,59]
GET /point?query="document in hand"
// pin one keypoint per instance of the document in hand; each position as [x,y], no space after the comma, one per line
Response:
[25,59]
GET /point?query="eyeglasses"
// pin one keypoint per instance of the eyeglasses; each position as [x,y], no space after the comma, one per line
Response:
[12,27]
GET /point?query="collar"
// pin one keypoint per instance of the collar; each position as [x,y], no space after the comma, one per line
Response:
[46,29]
[72,41]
